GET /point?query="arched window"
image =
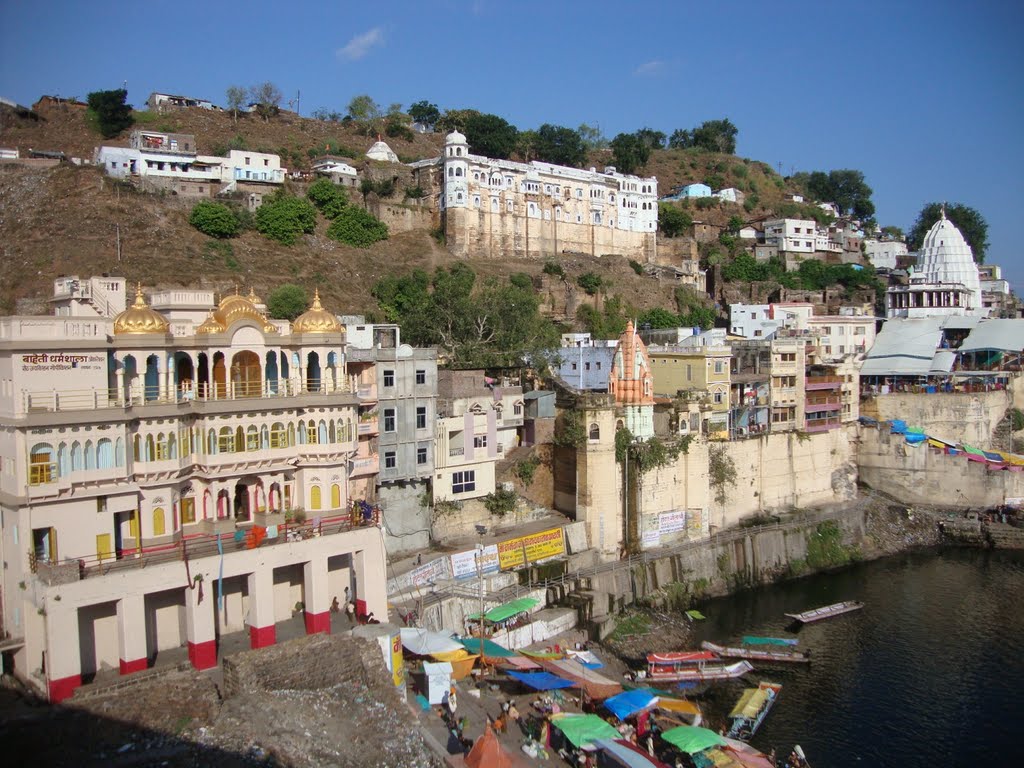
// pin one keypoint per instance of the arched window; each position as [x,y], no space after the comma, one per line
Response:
[302,433]
[63,467]
[172,446]
[278,436]
[158,522]
[239,439]
[150,449]
[291,434]
[314,497]
[451,172]
[264,437]
[322,433]
[595,432]
[458,172]
[252,438]
[137,448]
[226,440]
[41,466]
[333,436]
[90,455]
[76,457]
[119,452]
[104,454]
[211,443]
[335,496]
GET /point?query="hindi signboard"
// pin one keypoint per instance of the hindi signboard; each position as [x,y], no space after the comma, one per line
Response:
[672,522]
[464,563]
[536,546]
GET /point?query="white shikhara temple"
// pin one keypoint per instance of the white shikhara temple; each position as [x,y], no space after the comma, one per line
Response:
[945,280]
[150,449]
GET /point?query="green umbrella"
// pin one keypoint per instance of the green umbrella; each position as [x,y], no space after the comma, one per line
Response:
[691,739]
[507,610]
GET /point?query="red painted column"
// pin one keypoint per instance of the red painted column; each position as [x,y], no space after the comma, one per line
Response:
[131,633]
[315,594]
[63,661]
[262,631]
[199,626]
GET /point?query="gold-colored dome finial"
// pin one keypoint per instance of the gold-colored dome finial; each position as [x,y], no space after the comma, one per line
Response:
[140,317]
[316,319]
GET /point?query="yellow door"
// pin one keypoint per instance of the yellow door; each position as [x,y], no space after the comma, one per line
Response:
[314,497]
[158,521]
[104,547]
[335,496]
[133,525]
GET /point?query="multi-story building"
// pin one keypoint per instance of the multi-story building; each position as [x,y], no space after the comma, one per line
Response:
[502,209]
[702,370]
[584,363]
[786,383]
[996,295]
[884,254]
[849,333]
[402,421]
[791,235]
[823,399]
[169,161]
[479,421]
[154,459]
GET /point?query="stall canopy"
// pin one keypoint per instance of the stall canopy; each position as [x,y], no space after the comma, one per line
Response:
[490,648]
[508,610]
[423,642]
[691,739]
[583,729]
[629,703]
[595,684]
[541,681]
[622,753]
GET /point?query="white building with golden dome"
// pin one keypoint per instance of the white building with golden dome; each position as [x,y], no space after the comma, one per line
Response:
[177,443]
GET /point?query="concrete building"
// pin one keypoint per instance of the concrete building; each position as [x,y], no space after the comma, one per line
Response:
[943,282]
[403,424]
[884,254]
[479,421]
[996,296]
[791,235]
[500,208]
[701,370]
[337,170]
[153,458]
[163,102]
[755,321]
[688,191]
[731,195]
[92,297]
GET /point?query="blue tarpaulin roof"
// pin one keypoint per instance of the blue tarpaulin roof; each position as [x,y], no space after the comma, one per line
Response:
[541,681]
[629,703]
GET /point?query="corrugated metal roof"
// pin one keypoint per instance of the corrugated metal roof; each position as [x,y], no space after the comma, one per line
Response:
[1003,335]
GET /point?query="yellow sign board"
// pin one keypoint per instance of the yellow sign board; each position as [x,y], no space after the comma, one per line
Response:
[536,546]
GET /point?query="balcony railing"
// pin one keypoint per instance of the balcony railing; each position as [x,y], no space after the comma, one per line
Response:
[823,382]
[371,427]
[365,465]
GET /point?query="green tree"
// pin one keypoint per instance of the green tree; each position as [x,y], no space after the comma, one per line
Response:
[329,197]
[629,152]
[652,138]
[491,136]
[357,227]
[521,280]
[283,218]
[526,145]
[425,112]
[680,139]
[970,222]
[363,108]
[606,323]
[590,282]
[560,146]
[287,302]
[592,137]
[673,221]
[846,188]
[403,298]
[267,98]
[657,318]
[113,115]
[893,233]
[236,97]
[455,119]
[716,136]
[214,219]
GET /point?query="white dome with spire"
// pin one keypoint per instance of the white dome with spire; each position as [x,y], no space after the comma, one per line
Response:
[455,138]
[381,151]
[945,257]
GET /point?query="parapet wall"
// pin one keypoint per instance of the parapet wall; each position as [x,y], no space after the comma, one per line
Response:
[958,417]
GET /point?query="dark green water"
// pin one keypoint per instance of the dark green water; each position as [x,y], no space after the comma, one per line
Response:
[929,673]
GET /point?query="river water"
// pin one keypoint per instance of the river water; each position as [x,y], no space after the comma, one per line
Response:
[929,673]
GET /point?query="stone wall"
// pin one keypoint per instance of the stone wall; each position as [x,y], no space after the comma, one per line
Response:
[406,521]
[401,217]
[464,521]
[966,417]
[919,474]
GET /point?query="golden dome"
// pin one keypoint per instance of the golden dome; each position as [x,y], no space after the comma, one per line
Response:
[211,325]
[252,297]
[316,319]
[233,308]
[139,318]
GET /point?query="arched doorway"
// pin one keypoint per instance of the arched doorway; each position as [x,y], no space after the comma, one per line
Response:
[241,507]
[223,499]
[275,497]
[246,374]
[129,373]
[313,372]
[203,375]
[184,375]
[272,373]
[219,376]
[152,380]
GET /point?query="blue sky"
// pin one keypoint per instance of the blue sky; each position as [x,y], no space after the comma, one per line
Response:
[926,98]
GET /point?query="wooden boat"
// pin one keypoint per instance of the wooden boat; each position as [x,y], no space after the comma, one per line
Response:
[692,666]
[757,654]
[754,640]
[751,710]
[826,612]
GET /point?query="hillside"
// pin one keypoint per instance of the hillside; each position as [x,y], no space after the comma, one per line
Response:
[67,220]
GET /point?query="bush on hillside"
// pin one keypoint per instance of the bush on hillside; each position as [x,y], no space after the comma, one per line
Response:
[673,222]
[554,268]
[113,115]
[214,219]
[287,302]
[357,227]
[590,282]
[283,218]
[329,197]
